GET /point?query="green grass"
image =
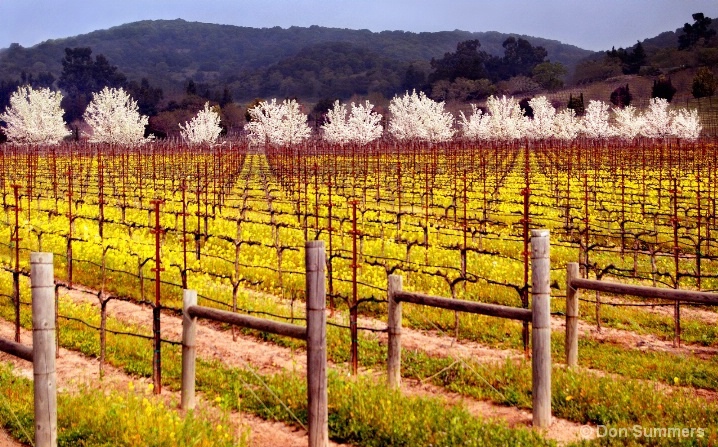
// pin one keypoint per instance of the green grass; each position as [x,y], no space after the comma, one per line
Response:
[92,417]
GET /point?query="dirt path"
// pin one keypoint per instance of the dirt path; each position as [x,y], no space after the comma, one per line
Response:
[212,342]
[8,441]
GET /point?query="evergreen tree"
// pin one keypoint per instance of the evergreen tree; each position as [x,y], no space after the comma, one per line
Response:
[147,97]
[663,88]
[467,62]
[621,97]
[693,34]
[704,83]
[82,76]
[576,104]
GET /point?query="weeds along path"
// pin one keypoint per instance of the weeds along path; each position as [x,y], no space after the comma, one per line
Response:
[633,340]
[214,342]
[561,430]
[75,370]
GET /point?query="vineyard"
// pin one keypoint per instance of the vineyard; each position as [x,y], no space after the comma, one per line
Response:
[136,226]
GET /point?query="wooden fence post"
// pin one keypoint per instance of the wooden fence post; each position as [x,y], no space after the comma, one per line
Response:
[189,349]
[316,297]
[541,327]
[572,294]
[394,329]
[42,281]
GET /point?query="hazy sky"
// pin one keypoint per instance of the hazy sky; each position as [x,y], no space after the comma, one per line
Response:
[590,24]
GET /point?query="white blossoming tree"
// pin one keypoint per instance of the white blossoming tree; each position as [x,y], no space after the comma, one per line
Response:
[114,118]
[629,123]
[361,126]
[542,124]
[657,119]
[364,123]
[566,126]
[595,121]
[35,117]
[204,128]
[417,117]
[686,124]
[278,124]
[477,126]
[507,119]
[335,127]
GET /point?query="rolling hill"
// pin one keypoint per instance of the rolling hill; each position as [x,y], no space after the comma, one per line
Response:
[169,52]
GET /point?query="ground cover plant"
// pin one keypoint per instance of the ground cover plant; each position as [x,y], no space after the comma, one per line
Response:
[453,218]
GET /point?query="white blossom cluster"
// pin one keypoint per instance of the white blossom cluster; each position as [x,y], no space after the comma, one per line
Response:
[114,118]
[417,117]
[361,126]
[506,121]
[204,128]
[278,124]
[35,117]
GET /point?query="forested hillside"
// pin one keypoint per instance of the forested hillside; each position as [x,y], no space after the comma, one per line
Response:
[170,52]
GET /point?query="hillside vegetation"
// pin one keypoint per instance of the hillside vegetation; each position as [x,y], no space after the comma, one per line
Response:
[169,52]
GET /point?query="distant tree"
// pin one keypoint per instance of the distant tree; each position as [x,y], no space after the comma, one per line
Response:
[114,118]
[663,88]
[35,117]
[520,58]
[82,76]
[596,120]
[462,89]
[541,126]
[467,62]
[278,124]
[549,75]
[630,60]
[414,79]
[147,97]
[320,110]
[255,102]
[204,128]
[226,97]
[636,60]
[361,126]
[565,125]
[589,71]
[576,104]
[704,83]
[43,79]
[693,34]
[7,88]
[526,107]
[658,118]
[621,96]
[629,123]
[414,116]
[191,88]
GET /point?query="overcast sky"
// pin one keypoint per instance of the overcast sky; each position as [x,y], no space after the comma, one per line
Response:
[590,24]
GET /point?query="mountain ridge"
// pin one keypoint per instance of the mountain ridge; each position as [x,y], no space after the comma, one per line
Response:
[169,52]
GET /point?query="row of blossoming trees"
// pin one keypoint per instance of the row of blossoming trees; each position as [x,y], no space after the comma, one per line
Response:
[35,117]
